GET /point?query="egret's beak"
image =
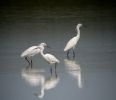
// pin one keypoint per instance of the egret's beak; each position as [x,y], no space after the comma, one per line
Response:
[48,47]
[85,26]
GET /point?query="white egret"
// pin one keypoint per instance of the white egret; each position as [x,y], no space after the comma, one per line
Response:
[51,59]
[32,51]
[73,41]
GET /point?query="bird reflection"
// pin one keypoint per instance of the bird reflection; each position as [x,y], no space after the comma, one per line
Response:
[74,70]
[34,77]
[47,84]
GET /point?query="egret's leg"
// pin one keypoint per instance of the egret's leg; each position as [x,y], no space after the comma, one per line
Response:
[51,71]
[68,54]
[26,58]
[73,54]
[55,69]
[31,63]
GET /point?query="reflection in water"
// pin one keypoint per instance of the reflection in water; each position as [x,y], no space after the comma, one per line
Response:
[47,85]
[34,77]
[74,70]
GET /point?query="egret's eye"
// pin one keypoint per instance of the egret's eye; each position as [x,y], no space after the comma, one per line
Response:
[36,48]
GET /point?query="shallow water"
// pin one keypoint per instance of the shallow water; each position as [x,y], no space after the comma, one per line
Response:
[90,76]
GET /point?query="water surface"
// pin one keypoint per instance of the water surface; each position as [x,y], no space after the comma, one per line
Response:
[90,76]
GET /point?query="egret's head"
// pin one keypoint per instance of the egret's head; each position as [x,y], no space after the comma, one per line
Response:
[79,25]
[41,48]
[43,44]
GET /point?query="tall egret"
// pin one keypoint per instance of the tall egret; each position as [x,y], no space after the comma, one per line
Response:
[73,41]
[32,51]
[51,59]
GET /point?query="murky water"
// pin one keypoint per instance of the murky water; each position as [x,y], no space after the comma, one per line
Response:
[90,76]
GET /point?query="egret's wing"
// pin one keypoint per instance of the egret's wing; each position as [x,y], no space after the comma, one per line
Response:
[29,51]
[71,43]
[51,58]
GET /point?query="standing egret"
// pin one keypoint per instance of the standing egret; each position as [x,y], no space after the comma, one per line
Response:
[51,59]
[32,51]
[73,41]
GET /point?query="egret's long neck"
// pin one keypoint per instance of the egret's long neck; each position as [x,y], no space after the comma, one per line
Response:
[42,53]
[78,31]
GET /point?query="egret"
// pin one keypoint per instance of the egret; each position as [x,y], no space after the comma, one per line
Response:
[73,41]
[51,59]
[32,51]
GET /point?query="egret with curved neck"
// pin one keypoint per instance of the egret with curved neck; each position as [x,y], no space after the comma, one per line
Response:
[32,51]
[51,59]
[73,41]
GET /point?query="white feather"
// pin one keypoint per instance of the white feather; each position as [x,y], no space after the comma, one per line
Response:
[31,51]
[73,41]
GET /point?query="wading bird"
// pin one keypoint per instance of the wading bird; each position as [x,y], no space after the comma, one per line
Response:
[32,51]
[51,59]
[73,41]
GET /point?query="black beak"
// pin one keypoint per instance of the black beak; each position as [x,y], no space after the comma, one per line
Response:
[85,26]
[48,47]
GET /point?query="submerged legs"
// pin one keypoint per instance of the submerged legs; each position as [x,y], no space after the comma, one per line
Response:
[51,70]
[73,54]
[55,69]
[27,59]
[31,63]
[68,54]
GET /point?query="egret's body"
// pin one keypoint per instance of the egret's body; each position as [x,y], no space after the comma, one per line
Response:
[70,42]
[32,51]
[51,59]
[73,41]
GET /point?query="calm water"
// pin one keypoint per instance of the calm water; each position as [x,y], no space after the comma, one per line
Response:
[90,76]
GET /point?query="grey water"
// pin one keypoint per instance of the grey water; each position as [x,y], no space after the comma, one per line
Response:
[90,76]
